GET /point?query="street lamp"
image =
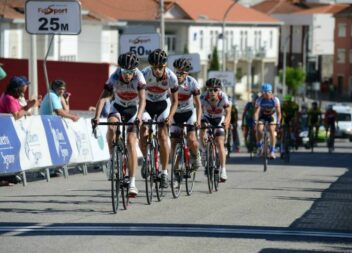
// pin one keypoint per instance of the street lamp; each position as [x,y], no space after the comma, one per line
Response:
[223,35]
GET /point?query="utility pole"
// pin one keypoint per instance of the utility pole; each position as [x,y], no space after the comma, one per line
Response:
[162,25]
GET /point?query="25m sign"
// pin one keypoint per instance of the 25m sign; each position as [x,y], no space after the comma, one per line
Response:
[53,17]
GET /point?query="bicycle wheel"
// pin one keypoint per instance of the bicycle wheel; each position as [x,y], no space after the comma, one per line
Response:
[311,140]
[210,166]
[156,165]
[149,178]
[190,178]
[115,180]
[216,170]
[124,181]
[177,171]
[265,151]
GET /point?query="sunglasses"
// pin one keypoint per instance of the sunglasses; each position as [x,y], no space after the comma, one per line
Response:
[159,67]
[213,89]
[180,73]
[127,71]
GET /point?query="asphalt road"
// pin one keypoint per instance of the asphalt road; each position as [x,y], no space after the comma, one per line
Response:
[303,206]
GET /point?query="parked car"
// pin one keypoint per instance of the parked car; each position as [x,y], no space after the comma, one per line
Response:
[344,121]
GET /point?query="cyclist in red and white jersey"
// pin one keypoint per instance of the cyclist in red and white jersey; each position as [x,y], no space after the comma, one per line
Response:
[216,111]
[189,109]
[161,102]
[127,86]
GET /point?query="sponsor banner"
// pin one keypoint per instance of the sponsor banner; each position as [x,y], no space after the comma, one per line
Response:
[79,136]
[9,146]
[99,145]
[34,151]
[140,44]
[227,78]
[59,144]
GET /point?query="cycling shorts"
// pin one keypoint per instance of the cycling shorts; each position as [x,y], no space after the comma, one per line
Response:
[272,119]
[159,109]
[188,118]
[124,114]
[215,122]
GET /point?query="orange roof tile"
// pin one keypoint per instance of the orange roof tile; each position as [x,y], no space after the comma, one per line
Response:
[277,7]
[215,10]
[332,8]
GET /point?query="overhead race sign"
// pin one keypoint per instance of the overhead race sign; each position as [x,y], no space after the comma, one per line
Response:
[53,17]
[227,78]
[140,44]
[194,58]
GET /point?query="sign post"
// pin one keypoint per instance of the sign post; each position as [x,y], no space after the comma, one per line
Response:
[140,44]
[49,18]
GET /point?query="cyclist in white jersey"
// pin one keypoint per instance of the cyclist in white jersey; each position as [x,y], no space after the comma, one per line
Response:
[217,112]
[126,88]
[161,103]
[189,109]
[267,109]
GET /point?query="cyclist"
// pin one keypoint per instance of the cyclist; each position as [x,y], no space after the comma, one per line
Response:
[216,111]
[234,122]
[247,117]
[127,86]
[314,119]
[189,109]
[161,102]
[289,119]
[330,119]
[267,109]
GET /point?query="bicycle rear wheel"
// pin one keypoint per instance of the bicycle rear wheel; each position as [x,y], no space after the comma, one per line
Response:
[115,180]
[265,151]
[177,170]
[149,177]
[210,166]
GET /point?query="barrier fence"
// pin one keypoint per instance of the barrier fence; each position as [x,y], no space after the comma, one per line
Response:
[42,142]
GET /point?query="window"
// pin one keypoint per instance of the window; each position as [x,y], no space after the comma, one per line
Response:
[271,39]
[170,42]
[246,39]
[340,55]
[341,30]
[211,40]
[241,40]
[201,41]
[255,40]
[231,40]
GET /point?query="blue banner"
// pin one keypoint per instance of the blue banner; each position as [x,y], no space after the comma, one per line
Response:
[58,142]
[9,147]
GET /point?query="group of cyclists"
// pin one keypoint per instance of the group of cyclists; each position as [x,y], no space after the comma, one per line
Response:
[172,98]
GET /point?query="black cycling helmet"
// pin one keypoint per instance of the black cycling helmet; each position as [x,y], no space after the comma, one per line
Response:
[128,61]
[56,84]
[157,57]
[213,83]
[183,64]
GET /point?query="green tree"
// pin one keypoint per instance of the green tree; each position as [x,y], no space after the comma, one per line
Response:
[294,79]
[185,49]
[214,63]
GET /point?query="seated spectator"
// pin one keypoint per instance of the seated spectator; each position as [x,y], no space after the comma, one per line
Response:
[10,99]
[59,102]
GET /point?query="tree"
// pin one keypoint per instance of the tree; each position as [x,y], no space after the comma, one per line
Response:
[295,78]
[214,63]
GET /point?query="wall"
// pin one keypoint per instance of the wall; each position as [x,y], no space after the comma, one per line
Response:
[85,80]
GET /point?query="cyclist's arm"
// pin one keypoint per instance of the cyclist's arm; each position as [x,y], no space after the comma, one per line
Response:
[227,117]
[197,103]
[104,96]
[141,106]
[279,115]
[174,104]
[256,113]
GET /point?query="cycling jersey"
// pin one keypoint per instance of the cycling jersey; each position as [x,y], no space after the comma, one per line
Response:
[289,110]
[330,117]
[214,109]
[157,89]
[267,106]
[314,116]
[186,91]
[125,94]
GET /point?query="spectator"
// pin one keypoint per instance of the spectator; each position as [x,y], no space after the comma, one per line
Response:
[59,101]
[234,122]
[2,72]
[10,99]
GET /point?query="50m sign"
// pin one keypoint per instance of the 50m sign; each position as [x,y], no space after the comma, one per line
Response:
[53,17]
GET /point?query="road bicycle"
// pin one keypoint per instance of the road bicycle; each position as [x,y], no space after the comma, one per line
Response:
[251,142]
[212,160]
[151,165]
[330,139]
[181,167]
[119,165]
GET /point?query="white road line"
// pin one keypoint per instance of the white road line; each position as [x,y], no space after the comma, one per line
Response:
[186,231]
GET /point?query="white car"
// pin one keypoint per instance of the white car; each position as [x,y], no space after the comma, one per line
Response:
[344,121]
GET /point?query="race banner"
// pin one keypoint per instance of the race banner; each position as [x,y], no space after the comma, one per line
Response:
[99,145]
[59,144]
[9,147]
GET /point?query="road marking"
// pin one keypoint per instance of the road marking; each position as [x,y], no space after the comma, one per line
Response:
[170,230]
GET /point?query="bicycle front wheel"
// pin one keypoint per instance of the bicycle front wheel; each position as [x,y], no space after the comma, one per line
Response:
[210,166]
[149,177]
[115,180]
[265,151]
[124,181]
[216,170]
[177,170]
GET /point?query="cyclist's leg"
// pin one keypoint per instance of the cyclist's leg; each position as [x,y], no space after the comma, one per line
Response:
[259,132]
[245,134]
[174,137]
[114,116]
[220,140]
[163,135]
[143,134]
[272,132]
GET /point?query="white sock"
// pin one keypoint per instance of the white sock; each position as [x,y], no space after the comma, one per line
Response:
[164,172]
[223,169]
[133,181]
